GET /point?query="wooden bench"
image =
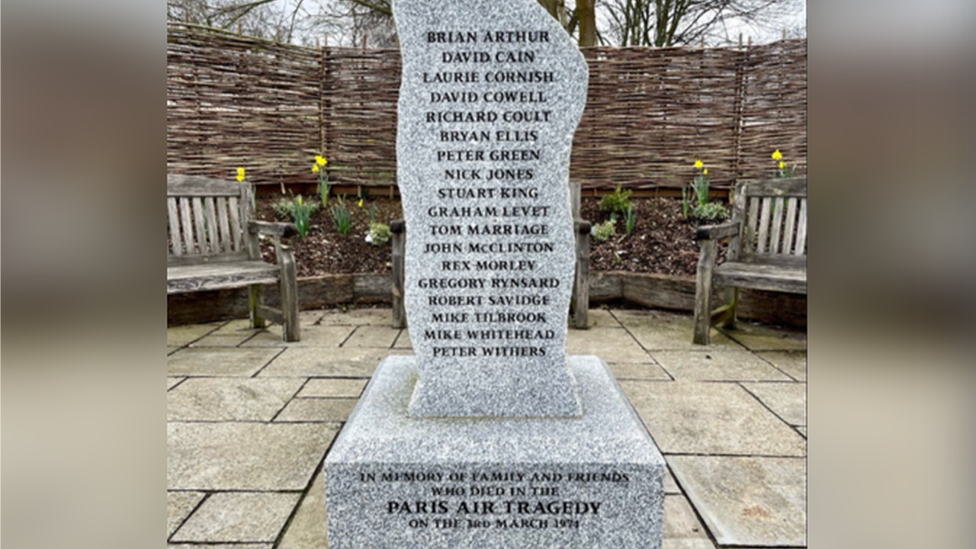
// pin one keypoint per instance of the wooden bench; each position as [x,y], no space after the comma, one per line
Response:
[767,250]
[213,244]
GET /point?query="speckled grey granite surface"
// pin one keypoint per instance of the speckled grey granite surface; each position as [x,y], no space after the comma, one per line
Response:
[399,482]
[490,96]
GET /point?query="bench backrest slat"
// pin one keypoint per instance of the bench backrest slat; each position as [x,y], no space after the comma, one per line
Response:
[773,216]
[790,225]
[801,230]
[207,220]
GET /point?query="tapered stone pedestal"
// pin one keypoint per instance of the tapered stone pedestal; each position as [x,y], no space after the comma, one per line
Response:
[399,482]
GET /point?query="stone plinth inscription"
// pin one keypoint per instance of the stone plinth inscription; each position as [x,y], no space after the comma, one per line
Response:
[486,119]
[512,498]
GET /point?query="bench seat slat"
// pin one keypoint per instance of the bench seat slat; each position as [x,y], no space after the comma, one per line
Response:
[759,276]
[209,276]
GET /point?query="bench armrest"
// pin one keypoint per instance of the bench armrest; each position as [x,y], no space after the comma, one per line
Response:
[274,229]
[717,232]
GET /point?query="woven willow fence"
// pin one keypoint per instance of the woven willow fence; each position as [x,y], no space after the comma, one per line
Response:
[239,101]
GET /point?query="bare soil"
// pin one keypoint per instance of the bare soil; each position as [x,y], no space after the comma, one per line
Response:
[661,241]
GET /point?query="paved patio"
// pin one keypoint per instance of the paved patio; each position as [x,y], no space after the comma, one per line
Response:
[251,418]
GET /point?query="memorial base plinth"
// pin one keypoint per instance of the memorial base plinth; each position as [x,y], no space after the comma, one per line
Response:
[399,482]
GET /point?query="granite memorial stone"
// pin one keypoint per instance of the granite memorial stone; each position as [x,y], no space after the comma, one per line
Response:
[490,436]
[490,96]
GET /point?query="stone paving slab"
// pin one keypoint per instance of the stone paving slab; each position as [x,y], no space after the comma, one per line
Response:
[403,340]
[751,501]
[179,336]
[610,344]
[670,485]
[317,410]
[331,387]
[710,418]
[220,546]
[179,505]
[686,544]
[661,331]
[244,456]
[684,416]
[639,371]
[358,317]
[238,517]
[230,399]
[221,340]
[680,521]
[756,337]
[601,318]
[787,400]
[717,365]
[307,528]
[219,361]
[381,337]
[792,363]
[310,318]
[312,336]
[317,362]
[241,326]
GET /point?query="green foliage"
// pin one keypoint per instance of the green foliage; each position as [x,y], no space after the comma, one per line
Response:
[301,212]
[616,202]
[712,211]
[372,213]
[699,187]
[297,211]
[603,231]
[781,170]
[786,172]
[630,219]
[379,234]
[341,217]
[684,202]
[324,189]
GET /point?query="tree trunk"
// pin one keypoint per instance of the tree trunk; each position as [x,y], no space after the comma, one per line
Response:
[586,14]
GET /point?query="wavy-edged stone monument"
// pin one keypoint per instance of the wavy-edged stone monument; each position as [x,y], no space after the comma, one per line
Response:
[490,436]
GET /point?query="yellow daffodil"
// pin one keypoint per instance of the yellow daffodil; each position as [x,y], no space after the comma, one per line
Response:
[705,171]
[782,164]
[360,203]
[698,164]
[320,160]
[315,168]
[777,155]
[240,174]
[299,200]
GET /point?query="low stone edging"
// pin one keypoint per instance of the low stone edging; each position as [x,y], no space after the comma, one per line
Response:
[649,290]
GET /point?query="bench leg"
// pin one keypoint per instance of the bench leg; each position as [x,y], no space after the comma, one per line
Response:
[291,331]
[581,282]
[732,300]
[703,292]
[255,297]
[399,244]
